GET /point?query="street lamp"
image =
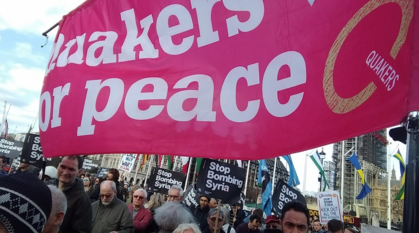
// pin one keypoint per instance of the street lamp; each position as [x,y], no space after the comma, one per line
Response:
[322,157]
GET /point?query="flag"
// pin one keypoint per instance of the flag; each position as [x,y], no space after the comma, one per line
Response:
[170,161]
[185,164]
[365,188]
[293,179]
[398,156]
[239,163]
[145,157]
[30,129]
[265,179]
[316,160]
[6,128]
[159,160]
[198,165]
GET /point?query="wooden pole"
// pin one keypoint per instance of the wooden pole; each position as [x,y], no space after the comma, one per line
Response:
[218,215]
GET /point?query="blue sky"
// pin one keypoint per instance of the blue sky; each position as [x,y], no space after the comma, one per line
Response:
[22,60]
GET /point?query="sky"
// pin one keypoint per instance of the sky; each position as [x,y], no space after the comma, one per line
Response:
[312,184]
[23,63]
[22,60]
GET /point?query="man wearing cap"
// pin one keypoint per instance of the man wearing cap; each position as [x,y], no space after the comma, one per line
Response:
[201,212]
[78,217]
[273,224]
[25,203]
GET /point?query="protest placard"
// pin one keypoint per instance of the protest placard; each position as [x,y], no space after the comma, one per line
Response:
[283,194]
[191,197]
[127,162]
[221,180]
[91,165]
[32,150]
[330,206]
[10,149]
[162,179]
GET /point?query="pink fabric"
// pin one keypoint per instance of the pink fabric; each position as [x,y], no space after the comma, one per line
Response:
[247,79]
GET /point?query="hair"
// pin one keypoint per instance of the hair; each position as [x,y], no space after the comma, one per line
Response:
[258,212]
[133,189]
[296,206]
[226,214]
[59,201]
[171,214]
[206,197]
[143,191]
[178,188]
[115,174]
[350,229]
[185,226]
[335,225]
[73,157]
[316,220]
[3,158]
[113,185]
[156,200]
[255,217]
[214,211]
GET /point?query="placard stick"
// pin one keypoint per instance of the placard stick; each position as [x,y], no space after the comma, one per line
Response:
[218,215]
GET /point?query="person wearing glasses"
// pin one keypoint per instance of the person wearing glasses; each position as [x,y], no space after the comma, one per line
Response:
[87,187]
[175,194]
[215,222]
[109,213]
[140,215]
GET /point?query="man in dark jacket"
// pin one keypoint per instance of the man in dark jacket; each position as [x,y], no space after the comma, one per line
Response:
[201,212]
[78,217]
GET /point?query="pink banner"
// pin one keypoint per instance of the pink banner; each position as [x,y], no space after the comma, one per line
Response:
[246,79]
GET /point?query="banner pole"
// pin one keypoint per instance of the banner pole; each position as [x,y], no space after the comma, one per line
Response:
[388,193]
[273,178]
[218,215]
[148,170]
[342,172]
[136,168]
[247,177]
[174,161]
[305,173]
[187,174]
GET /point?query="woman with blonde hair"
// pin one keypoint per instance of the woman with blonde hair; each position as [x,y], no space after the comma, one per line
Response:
[156,200]
[131,193]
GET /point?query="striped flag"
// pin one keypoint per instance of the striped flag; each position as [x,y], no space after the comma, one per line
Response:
[365,188]
[145,157]
[170,161]
[185,164]
[398,156]
[160,158]
[316,160]
[264,178]
[6,128]
[198,165]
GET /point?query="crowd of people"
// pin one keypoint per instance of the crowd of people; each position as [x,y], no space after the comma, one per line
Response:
[66,200]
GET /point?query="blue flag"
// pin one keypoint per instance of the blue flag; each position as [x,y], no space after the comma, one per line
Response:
[265,179]
[293,179]
[365,188]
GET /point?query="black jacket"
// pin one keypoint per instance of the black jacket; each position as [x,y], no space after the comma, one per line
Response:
[78,217]
[201,215]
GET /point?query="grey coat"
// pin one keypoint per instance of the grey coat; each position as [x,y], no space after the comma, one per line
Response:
[113,217]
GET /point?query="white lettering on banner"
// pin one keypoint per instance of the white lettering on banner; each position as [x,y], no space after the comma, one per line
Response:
[383,69]
[203,110]
[164,32]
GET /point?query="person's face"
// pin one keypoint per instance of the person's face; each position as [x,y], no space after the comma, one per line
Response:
[317,226]
[53,222]
[273,225]
[109,176]
[212,220]
[82,176]
[106,194]
[23,166]
[174,195]
[347,231]
[326,228]
[213,204]
[67,170]
[203,202]
[138,198]
[254,225]
[96,181]
[86,181]
[294,222]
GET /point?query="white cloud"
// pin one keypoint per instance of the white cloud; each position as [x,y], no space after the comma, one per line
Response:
[28,16]
[24,51]
[21,79]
